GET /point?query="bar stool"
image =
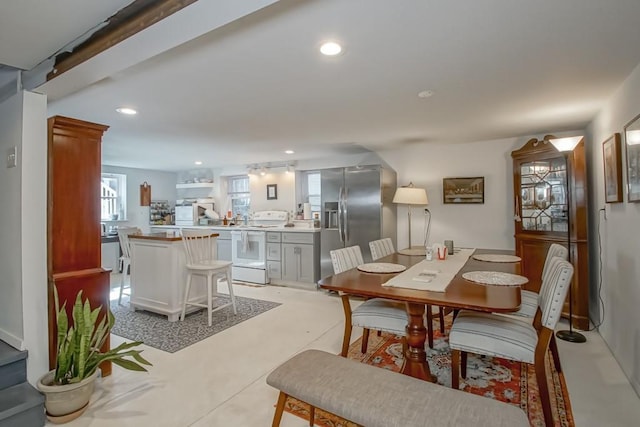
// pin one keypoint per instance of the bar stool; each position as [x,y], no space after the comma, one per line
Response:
[199,247]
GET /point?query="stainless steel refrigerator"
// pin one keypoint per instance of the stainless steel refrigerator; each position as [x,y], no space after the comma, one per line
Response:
[356,208]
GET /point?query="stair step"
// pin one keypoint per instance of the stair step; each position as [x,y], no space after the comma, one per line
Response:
[21,405]
[13,366]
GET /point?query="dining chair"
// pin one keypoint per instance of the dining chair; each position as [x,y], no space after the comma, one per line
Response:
[382,248]
[529,304]
[375,313]
[529,299]
[200,250]
[511,338]
[125,259]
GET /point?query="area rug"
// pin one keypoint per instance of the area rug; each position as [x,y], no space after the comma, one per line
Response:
[495,378]
[156,331]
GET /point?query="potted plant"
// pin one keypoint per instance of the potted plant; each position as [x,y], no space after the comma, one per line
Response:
[69,386]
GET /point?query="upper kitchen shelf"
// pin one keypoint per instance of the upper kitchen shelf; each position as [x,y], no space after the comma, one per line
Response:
[196,185]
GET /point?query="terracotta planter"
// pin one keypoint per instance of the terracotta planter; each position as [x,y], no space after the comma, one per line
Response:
[63,400]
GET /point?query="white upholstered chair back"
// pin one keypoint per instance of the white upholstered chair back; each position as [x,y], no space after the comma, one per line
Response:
[555,250]
[553,292]
[199,246]
[346,259]
[381,248]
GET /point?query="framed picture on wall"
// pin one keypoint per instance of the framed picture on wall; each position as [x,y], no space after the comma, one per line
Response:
[612,159]
[632,144]
[272,191]
[463,190]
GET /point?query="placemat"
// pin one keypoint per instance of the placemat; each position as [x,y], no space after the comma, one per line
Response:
[495,278]
[496,258]
[381,267]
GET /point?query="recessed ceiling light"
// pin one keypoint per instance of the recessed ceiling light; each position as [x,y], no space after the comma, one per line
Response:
[425,94]
[127,111]
[330,48]
[289,152]
[198,162]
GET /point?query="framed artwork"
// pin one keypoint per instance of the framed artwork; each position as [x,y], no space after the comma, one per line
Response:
[612,159]
[463,190]
[632,144]
[272,191]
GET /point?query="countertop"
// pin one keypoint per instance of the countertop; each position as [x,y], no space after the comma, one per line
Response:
[245,227]
[163,237]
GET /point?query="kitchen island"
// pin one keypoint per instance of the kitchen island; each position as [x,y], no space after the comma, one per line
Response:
[291,254]
[158,274]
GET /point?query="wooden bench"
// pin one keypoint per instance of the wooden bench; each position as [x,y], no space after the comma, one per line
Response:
[375,397]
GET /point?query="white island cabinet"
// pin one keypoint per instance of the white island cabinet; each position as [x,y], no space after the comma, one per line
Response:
[158,275]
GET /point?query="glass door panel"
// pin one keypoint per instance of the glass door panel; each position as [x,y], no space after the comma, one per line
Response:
[543,195]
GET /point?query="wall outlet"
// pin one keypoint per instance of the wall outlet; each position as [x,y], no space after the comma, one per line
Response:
[12,157]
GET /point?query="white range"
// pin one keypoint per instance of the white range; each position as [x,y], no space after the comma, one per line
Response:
[249,246]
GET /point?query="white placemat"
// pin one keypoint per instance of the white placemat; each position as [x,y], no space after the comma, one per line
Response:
[381,267]
[432,275]
[495,278]
[496,258]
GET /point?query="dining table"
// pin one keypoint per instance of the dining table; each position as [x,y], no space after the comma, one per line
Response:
[460,293]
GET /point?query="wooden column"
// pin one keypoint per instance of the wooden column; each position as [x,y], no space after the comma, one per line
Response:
[73,219]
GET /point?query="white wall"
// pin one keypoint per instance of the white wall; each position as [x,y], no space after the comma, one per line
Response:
[488,225]
[11,328]
[286,193]
[619,236]
[163,187]
[23,229]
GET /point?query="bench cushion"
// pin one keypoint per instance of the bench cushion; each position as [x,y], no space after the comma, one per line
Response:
[376,397]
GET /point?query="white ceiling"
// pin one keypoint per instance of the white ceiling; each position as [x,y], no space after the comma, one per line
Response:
[247,90]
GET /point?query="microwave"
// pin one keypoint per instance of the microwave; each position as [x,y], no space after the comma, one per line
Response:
[184,215]
[189,215]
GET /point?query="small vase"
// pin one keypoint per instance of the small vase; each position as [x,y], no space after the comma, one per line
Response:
[63,400]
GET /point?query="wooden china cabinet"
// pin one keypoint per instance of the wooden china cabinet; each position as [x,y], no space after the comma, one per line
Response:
[540,178]
[73,220]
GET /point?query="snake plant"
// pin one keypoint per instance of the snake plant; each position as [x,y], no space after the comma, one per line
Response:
[78,350]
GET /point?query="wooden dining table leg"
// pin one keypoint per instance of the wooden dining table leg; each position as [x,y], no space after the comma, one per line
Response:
[415,362]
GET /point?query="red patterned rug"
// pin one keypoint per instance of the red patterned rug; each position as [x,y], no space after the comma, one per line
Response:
[500,379]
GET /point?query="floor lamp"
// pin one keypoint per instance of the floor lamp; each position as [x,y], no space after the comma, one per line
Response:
[411,196]
[566,146]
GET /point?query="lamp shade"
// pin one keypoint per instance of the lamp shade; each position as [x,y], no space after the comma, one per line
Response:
[565,144]
[411,196]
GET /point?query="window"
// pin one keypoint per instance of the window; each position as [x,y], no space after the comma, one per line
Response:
[238,191]
[113,197]
[313,191]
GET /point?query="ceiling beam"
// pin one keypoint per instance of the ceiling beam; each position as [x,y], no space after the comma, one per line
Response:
[127,22]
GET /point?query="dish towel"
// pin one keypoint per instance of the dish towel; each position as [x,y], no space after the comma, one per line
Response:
[244,241]
[431,275]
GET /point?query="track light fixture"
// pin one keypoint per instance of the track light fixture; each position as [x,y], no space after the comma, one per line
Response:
[264,168]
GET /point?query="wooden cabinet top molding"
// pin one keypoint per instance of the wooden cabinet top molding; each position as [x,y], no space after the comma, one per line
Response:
[60,124]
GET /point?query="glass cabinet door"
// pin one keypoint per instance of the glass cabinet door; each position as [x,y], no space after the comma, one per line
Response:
[543,186]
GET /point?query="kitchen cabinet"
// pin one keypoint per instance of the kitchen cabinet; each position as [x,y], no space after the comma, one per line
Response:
[74,259]
[274,255]
[300,257]
[224,245]
[542,175]
[111,256]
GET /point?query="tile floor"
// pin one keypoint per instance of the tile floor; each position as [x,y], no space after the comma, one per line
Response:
[221,381]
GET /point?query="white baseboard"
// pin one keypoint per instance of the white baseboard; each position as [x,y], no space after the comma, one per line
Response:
[12,340]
